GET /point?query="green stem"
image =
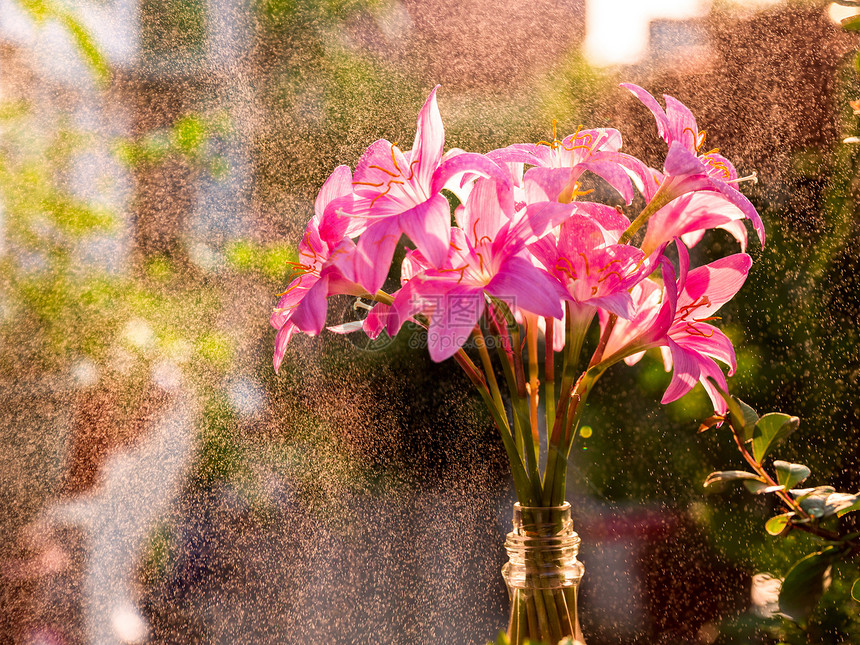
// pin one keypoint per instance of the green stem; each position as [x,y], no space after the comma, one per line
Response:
[660,199]
[604,339]
[531,611]
[555,477]
[534,382]
[520,402]
[503,348]
[487,363]
[549,374]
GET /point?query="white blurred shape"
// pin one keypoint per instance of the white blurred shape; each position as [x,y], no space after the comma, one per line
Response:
[246,396]
[206,257]
[138,332]
[617,30]
[136,486]
[764,594]
[167,376]
[129,625]
[838,12]
[393,21]
[85,373]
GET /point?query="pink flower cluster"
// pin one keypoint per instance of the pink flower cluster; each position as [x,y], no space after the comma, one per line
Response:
[525,234]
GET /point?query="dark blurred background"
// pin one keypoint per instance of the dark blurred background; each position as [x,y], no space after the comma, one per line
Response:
[161,484]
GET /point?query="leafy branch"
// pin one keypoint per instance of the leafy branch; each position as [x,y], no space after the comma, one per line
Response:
[815,510]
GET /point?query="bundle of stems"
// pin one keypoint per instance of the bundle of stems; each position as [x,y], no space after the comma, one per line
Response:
[522,428]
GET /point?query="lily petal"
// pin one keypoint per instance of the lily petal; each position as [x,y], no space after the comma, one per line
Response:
[377,320]
[545,184]
[282,339]
[614,175]
[429,226]
[739,200]
[711,371]
[452,324]
[682,123]
[526,287]
[374,252]
[309,314]
[685,373]
[709,341]
[469,162]
[718,282]
[663,126]
[337,185]
[429,139]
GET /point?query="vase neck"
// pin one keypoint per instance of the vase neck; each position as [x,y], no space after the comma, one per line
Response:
[542,521]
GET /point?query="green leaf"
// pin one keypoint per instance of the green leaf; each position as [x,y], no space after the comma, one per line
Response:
[723,476]
[839,504]
[788,474]
[814,500]
[777,525]
[750,417]
[760,487]
[804,584]
[850,508]
[741,416]
[802,493]
[736,413]
[855,590]
[770,429]
[851,23]
[814,506]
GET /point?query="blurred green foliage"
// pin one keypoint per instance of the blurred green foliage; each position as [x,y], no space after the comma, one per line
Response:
[57,309]
[187,138]
[269,261]
[44,10]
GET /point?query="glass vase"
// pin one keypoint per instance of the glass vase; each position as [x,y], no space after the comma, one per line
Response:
[542,575]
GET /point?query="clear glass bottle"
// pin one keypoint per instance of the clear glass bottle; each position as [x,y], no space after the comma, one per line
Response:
[542,575]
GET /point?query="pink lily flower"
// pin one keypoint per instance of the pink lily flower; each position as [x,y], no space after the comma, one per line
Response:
[685,168]
[678,323]
[399,192]
[689,216]
[594,273]
[654,311]
[693,343]
[560,164]
[325,263]
[485,257]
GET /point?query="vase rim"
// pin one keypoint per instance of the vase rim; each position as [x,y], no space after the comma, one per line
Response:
[560,507]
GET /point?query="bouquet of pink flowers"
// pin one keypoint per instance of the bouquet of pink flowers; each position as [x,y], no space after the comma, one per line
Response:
[512,259]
